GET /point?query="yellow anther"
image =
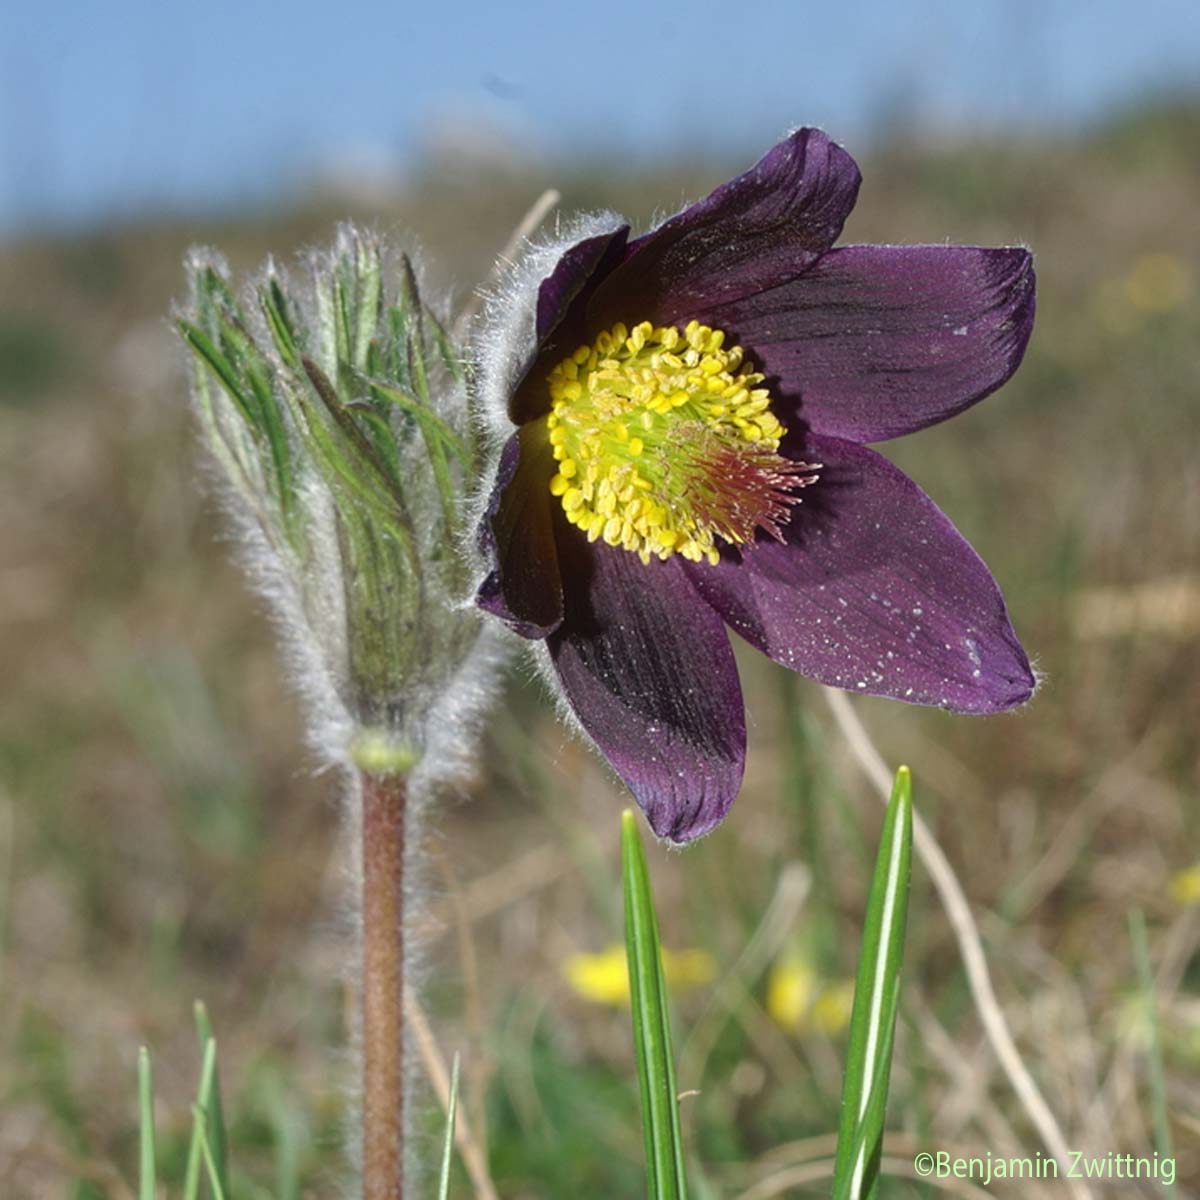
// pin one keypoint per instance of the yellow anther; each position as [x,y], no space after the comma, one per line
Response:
[665,443]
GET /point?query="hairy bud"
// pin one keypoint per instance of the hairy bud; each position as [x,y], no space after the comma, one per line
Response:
[336,408]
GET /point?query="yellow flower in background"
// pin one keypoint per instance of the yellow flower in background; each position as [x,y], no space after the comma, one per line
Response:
[1158,283]
[791,990]
[801,1002]
[831,1012]
[688,968]
[604,978]
[1185,885]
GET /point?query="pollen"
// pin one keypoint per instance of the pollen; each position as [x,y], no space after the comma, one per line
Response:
[665,443]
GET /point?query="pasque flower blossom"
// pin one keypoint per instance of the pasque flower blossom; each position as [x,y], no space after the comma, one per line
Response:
[686,416]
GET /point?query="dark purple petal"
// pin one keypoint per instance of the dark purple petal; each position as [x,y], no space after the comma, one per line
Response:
[878,341]
[517,539]
[648,669]
[874,591]
[571,273]
[560,320]
[751,233]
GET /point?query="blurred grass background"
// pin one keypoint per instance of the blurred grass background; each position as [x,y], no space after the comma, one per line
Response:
[163,836]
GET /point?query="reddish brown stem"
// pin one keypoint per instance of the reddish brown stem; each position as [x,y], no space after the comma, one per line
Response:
[383,800]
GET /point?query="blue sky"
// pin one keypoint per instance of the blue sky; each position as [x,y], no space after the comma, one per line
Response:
[118,108]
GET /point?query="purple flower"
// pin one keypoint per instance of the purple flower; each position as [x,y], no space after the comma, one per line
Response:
[691,408]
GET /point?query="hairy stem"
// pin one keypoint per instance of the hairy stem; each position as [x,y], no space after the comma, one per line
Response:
[383,829]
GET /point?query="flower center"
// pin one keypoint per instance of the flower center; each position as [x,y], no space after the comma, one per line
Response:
[665,442]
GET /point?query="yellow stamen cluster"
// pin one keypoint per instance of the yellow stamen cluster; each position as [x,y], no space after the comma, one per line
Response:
[664,440]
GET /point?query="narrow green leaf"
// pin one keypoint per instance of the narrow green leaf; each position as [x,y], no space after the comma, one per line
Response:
[369,300]
[414,324]
[379,434]
[345,423]
[431,424]
[273,303]
[256,371]
[147,1173]
[876,1002]
[665,1173]
[1158,1079]
[415,312]
[343,467]
[230,449]
[195,1160]
[354,439]
[397,345]
[867,1146]
[214,285]
[216,1178]
[452,360]
[342,323]
[215,1134]
[448,1143]
[202,346]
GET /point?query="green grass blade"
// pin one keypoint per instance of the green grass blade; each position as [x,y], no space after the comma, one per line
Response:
[448,1144]
[213,1168]
[876,1002]
[867,1141]
[147,1173]
[1158,1079]
[195,1160]
[665,1174]
[214,1117]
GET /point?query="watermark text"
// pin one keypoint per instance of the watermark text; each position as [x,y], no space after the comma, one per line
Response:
[986,1167]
